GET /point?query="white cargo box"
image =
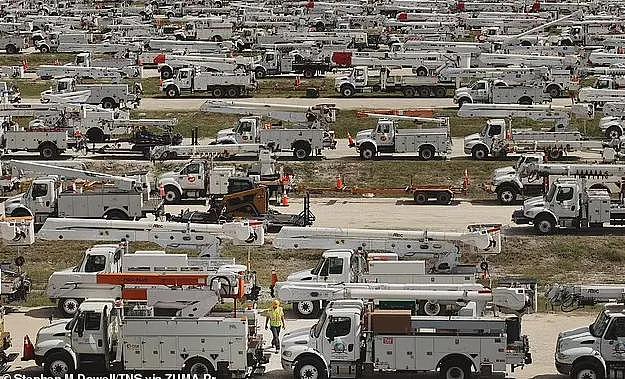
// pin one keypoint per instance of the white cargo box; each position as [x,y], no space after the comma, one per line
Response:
[397,267]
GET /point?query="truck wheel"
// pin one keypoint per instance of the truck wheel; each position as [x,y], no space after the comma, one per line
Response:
[613,132]
[347,91]
[443,198]
[408,91]
[587,370]
[11,49]
[218,92]
[554,91]
[232,92]
[95,135]
[172,195]
[420,198]
[367,153]
[200,367]
[307,309]
[440,92]
[69,307]
[45,49]
[115,214]
[48,151]
[479,153]
[544,224]
[260,73]
[422,71]
[108,103]
[525,100]
[431,309]
[301,151]
[455,369]
[166,73]
[310,368]
[58,365]
[309,73]
[426,153]
[506,195]
[172,91]
[425,92]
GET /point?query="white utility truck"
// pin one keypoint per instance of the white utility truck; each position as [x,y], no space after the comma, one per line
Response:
[102,337]
[571,203]
[108,95]
[388,138]
[499,92]
[350,340]
[310,134]
[190,80]
[605,89]
[50,143]
[406,81]
[82,68]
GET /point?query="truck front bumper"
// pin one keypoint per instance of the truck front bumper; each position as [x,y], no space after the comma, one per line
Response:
[519,218]
[287,365]
[563,368]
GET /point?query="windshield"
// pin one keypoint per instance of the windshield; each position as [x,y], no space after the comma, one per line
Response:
[483,131]
[601,323]
[317,269]
[519,162]
[316,329]
[552,191]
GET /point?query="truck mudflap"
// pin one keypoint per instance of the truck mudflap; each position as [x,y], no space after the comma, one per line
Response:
[519,218]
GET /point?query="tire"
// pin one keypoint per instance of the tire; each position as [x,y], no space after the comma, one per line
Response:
[479,152]
[347,91]
[506,195]
[367,153]
[232,92]
[455,369]
[68,307]
[544,224]
[310,368]
[554,91]
[308,73]
[166,73]
[95,135]
[424,92]
[440,92]
[420,198]
[58,365]
[307,309]
[11,49]
[260,73]
[443,198]
[49,151]
[45,49]
[218,92]
[116,214]
[587,370]
[217,38]
[172,91]
[426,153]
[525,101]
[408,91]
[172,195]
[613,132]
[108,103]
[199,367]
[301,151]
[431,309]
[422,71]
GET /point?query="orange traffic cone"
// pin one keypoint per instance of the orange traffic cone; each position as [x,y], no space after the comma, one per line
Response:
[339,183]
[161,191]
[29,350]
[285,200]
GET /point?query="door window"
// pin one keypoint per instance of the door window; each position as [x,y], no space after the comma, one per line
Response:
[494,130]
[193,168]
[92,321]
[40,190]
[616,330]
[335,265]
[95,263]
[338,327]
[565,194]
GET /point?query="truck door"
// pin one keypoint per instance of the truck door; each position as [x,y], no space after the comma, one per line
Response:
[40,198]
[191,177]
[88,336]
[494,131]
[339,342]
[384,133]
[184,79]
[332,270]
[360,77]
[479,91]
[565,203]
[613,342]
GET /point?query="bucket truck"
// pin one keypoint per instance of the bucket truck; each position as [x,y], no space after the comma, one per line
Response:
[531,176]
[82,68]
[605,89]
[571,203]
[311,135]
[108,95]
[352,262]
[349,340]
[193,80]
[127,198]
[387,138]
[499,92]
[497,138]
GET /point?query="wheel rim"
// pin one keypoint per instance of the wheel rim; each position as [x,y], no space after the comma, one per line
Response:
[431,309]
[59,367]
[479,154]
[507,196]
[613,133]
[443,198]
[171,93]
[420,199]
[198,368]
[587,374]
[309,372]
[544,226]
[300,153]
[367,154]
[170,196]
[305,308]
[47,152]
[70,306]
[426,154]
[454,373]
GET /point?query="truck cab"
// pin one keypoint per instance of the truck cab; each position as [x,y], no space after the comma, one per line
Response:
[510,182]
[480,145]
[246,131]
[479,92]
[607,82]
[195,179]
[39,201]
[88,339]
[358,77]
[595,350]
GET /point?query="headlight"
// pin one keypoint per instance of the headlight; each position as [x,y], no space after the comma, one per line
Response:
[287,353]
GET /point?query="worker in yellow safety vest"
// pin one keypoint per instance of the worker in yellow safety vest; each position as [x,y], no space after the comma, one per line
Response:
[275,319]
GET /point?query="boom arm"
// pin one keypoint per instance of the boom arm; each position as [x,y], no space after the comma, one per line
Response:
[580,170]
[516,37]
[284,112]
[203,237]
[572,297]
[535,112]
